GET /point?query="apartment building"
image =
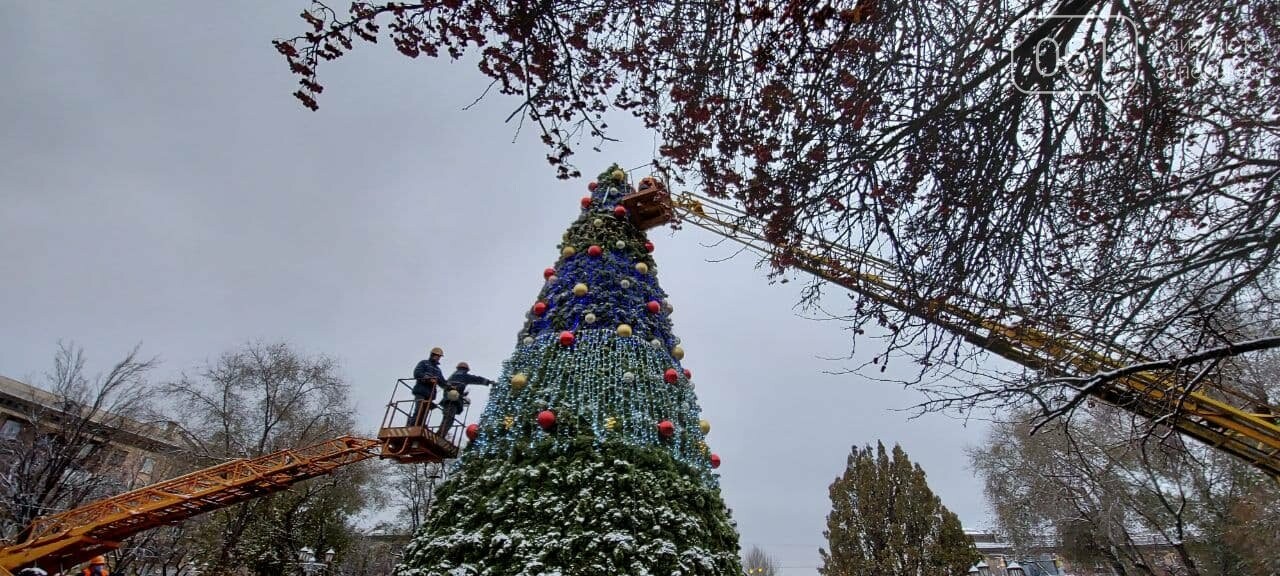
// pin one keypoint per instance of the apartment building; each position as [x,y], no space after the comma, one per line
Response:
[133,453]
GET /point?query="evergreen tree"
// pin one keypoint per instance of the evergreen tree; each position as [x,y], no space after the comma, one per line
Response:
[590,457]
[885,520]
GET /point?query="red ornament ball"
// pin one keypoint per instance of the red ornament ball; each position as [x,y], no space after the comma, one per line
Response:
[539,308]
[715,460]
[654,307]
[566,338]
[591,186]
[670,376]
[666,428]
[473,430]
[594,251]
[620,211]
[547,419]
[687,374]
[648,246]
[586,202]
[549,272]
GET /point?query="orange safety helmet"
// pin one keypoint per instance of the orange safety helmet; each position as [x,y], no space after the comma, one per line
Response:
[98,561]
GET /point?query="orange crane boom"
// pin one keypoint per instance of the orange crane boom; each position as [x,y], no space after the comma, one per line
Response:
[1030,342]
[68,538]
[63,540]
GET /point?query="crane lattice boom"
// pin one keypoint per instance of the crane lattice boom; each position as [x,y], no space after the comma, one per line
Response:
[1029,342]
[63,540]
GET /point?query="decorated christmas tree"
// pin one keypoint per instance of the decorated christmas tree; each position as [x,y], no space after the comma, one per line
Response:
[590,457]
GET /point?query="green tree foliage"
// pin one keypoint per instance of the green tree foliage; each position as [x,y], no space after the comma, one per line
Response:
[584,508]
[886,520]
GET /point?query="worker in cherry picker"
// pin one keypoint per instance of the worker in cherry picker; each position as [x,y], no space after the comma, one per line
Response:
[97,567]
[427,376]
[455,394]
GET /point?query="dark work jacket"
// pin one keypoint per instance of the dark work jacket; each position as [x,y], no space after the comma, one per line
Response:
[426,369]
[458,381]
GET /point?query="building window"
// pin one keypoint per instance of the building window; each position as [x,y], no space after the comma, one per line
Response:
[10,430]
[148,465]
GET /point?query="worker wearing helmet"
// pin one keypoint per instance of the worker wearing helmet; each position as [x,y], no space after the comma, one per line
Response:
[427,376]
[96,567]
[456,394]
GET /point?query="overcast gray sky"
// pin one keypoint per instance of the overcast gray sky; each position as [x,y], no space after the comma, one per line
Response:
[160,185]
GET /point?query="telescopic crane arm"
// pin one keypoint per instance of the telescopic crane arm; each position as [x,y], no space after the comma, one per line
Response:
[64,540]
[61,541]
[1255,438]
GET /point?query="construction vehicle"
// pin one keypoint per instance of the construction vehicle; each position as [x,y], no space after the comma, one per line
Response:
[1212,414]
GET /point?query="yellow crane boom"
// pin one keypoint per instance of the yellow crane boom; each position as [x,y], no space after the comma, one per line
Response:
[1030,342]
[71,537]
[60,541]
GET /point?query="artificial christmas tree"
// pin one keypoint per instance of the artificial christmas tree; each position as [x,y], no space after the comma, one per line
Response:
[590,457]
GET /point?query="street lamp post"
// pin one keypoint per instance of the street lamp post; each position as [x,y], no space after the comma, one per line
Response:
[310,564]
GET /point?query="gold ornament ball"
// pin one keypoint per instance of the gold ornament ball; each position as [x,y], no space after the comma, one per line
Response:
[519,380]
[598,222]
[704,426]
[624,330]
[453,395]
[589,318]
[625,283]
[677,353]
[579,289]
[619,175]
[611,423]
[642,268]
[620,245]
[568,251]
